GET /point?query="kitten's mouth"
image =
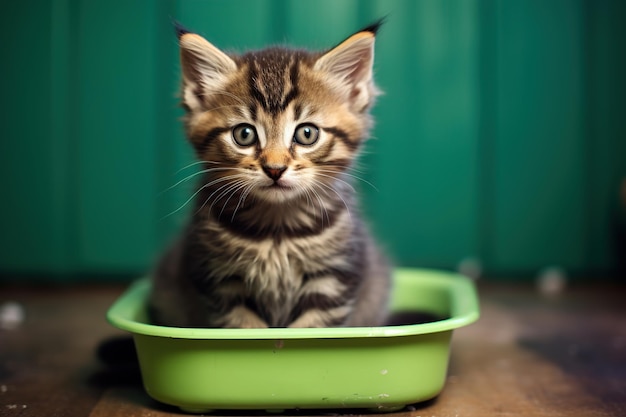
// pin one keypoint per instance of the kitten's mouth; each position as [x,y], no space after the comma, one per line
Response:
[278,191]
[278,185]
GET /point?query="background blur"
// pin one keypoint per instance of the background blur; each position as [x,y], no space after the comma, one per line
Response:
[500,138]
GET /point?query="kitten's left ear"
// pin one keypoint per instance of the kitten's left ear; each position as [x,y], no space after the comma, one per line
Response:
[349,65]
[205,68]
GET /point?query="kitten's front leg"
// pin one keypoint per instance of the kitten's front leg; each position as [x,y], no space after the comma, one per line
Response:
[325,300]
[241,317]
[227,300]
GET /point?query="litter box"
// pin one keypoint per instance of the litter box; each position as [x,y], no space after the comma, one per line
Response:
[380,368]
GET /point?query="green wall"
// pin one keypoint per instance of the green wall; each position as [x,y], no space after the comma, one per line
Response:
[500,136]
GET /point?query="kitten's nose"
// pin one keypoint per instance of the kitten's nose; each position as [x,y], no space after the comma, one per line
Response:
[273,171]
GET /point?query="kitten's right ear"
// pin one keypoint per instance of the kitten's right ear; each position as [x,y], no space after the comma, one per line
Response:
[205,68]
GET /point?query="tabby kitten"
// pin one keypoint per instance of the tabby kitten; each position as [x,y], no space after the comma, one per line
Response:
[275,239]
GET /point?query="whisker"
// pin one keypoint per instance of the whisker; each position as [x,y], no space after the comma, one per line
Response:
[350,175]
[226,106]
[240,102]
[227,188]
[302,191]
[196,163]
[337,179]
[306,193]
[309,200]
[196,193]
[331,188]
[233,190]
[185,203]
[225,93]
[343,169]
[195,174]
[242,199]
[221,187]
[322,206]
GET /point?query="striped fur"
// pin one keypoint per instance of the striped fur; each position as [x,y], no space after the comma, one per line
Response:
[276,239]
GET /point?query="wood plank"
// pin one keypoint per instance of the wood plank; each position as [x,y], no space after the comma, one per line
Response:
[46,364]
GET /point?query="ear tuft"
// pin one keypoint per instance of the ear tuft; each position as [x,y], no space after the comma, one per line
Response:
[374,27]
[180,29]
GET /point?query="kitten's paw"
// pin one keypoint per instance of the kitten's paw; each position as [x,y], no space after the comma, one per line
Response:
[259,324]
[321,318]
[241,317]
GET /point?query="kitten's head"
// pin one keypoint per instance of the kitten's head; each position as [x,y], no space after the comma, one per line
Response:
[278,123]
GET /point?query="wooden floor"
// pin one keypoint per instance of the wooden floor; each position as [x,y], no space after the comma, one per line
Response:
[527,356]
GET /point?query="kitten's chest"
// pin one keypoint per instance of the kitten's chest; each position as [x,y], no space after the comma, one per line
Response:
[279,266]
[277,262]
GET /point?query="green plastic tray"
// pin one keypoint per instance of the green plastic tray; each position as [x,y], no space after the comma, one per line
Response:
[382,368]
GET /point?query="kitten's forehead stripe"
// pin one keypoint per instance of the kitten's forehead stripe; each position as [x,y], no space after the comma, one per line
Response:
[273,78]
[297,111]
[253,111]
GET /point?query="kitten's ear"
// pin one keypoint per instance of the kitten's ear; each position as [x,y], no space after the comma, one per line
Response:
[204,67]
[349,65]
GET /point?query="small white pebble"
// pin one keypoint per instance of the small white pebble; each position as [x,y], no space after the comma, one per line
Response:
[11,315]
[471,268]
[551,281]
[15,406]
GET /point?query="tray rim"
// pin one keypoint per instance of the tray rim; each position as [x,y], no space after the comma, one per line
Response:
[462,289]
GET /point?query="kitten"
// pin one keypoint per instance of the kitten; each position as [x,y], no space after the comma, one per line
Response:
[275,239]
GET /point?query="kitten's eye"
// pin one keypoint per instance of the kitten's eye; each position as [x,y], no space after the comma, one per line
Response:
[244,135]
[306,134]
